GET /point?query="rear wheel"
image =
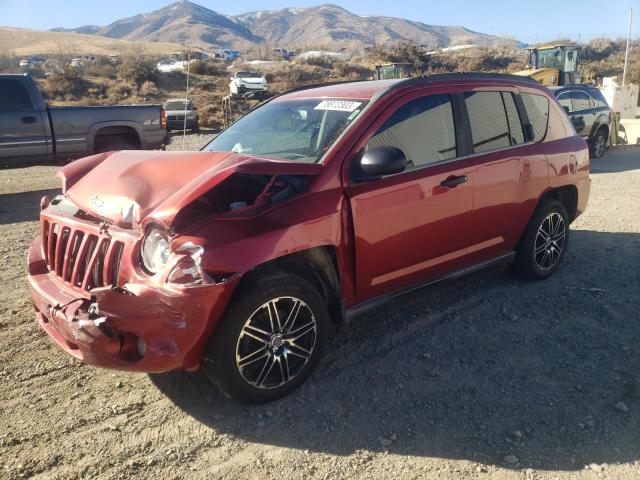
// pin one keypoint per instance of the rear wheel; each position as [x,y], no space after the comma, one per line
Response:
[598,144]
[544,242]
[269,340]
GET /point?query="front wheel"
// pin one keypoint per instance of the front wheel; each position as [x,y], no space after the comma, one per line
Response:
[269,340]
[598,144]
[544,243]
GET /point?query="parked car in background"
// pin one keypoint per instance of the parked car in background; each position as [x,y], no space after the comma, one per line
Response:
[79,62]
[169,65]
[30,63]
[228,55]
[315,206]
[31,130]
[281,53]
[589,113]
[247,83]
[181,114]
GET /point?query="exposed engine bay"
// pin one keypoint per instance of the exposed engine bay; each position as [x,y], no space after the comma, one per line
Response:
[244,192]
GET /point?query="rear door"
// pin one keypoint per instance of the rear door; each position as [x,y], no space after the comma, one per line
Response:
[511,167]
[414,225]
[584,110]
[22,128]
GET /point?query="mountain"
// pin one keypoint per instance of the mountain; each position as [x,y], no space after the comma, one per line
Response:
[326,26]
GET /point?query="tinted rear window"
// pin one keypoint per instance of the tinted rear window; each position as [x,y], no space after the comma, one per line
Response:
[537,107]
[488,119]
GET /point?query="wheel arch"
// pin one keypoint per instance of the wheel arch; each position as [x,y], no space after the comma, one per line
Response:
[567,195]
[317,265]
[129,130]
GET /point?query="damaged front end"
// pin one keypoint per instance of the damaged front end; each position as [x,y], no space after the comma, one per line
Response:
[113,281]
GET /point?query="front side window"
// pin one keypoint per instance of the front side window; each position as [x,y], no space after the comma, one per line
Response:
[14,96]
[537,107]
[581,101]
[488,120]
[565,101]
[422,128]
[300,130]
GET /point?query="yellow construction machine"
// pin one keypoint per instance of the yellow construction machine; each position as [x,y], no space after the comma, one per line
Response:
[553,65]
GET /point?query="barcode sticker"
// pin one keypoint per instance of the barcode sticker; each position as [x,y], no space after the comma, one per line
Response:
[338,105]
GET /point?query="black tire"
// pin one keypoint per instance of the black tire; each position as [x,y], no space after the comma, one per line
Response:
[530,261]
[230,339]
[108,144]
[196,128]
[597,144]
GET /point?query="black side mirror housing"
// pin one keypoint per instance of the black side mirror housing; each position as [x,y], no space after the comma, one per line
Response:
[379,161]
[566,109]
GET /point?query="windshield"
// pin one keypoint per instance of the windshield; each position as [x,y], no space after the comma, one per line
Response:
[247,75]
[550,58]
[177,105]
[300,130]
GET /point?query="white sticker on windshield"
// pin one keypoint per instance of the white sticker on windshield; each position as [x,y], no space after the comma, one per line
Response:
[338,105]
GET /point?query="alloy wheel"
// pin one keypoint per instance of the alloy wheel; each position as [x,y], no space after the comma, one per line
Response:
[276,342]
[598,147]
[549,242]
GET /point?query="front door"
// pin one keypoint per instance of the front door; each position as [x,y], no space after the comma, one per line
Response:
[415,225]
[22,132]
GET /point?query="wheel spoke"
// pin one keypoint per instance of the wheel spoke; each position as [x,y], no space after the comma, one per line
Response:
[283,363]
[293,316]
[301,331]
[256,333]
[274,317]
[298,351]
[252,357]
[266,370]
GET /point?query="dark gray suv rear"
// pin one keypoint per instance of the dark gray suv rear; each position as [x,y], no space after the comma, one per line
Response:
[589,113]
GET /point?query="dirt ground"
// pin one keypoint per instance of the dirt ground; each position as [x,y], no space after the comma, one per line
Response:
[486,376]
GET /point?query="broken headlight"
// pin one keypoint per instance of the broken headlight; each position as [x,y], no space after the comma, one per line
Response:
[155,251]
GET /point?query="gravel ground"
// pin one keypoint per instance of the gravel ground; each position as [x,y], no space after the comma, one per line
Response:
[482,377]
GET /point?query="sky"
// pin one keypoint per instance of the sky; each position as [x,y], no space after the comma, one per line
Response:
[528,21]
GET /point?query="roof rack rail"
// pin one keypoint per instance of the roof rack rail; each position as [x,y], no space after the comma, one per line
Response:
[438,77]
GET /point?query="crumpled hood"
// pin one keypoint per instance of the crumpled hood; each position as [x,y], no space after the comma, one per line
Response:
[129,187]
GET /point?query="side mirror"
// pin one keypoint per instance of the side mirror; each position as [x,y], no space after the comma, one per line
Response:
[566,109]
[378,161]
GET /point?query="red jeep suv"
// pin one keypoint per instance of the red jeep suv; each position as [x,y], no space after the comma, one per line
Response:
[317,205]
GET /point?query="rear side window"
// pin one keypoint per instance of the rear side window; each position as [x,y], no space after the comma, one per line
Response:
[537,107]
[515,125]
[14,96]
[488,119]
[423,129]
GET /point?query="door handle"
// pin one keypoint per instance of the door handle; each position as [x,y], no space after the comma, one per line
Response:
[29,119]
[454,181]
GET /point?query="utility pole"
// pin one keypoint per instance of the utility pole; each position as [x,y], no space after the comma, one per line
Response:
[626,53]
[186,99]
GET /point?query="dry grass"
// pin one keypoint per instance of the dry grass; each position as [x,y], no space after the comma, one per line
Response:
[34,42]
